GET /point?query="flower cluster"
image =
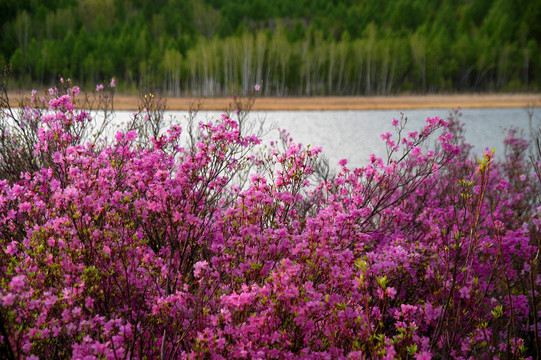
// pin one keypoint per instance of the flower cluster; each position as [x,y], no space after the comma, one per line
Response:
[225,249]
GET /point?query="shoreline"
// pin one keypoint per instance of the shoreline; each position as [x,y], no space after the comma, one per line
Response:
[125,102]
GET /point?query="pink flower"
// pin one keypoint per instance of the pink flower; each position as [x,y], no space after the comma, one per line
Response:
[11,249]
[17,282]
[198,267]
[99,87]
[386,136]
[343,162]
[8,300]
[63,102]
[257,87]
[113,83]
[356,355]
[89,302]
[391,292]
[464,292]
[119,136]
[25,207]
[131,135]
[425,355]
[51,241]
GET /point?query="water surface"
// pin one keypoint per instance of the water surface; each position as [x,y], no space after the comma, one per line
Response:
[354,135]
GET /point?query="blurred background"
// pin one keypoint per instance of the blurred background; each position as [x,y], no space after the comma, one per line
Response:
[291,48]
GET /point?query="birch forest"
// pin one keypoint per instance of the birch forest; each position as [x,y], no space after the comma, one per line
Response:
[290,48]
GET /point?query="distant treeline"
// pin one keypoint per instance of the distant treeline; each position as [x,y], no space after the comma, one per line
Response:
[302,47]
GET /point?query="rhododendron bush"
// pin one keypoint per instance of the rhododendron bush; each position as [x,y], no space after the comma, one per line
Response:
[217,246]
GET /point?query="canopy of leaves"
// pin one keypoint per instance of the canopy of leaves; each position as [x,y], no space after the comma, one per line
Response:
[295,47]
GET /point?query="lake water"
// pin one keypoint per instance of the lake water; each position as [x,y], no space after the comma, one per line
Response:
[354,135]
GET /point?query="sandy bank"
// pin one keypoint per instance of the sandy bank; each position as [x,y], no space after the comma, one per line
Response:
[130,102]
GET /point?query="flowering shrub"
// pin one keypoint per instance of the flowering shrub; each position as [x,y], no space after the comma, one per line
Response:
[223,248]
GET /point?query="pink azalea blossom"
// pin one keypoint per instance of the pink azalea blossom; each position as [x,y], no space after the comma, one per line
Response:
[227,247]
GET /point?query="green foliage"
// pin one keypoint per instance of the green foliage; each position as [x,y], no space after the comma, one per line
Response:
[306,46]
